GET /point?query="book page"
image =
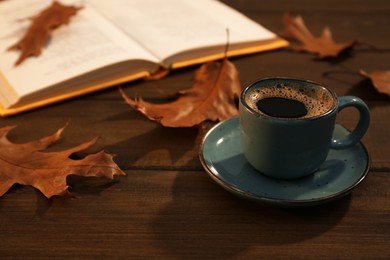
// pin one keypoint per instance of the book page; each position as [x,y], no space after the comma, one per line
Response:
[89,42]
[169,27]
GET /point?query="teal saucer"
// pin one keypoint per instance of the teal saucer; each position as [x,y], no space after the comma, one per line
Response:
[222,157]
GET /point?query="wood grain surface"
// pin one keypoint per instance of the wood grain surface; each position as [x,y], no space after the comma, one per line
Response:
[167,207]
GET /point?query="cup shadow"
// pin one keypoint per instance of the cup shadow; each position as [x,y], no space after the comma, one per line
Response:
[224,225]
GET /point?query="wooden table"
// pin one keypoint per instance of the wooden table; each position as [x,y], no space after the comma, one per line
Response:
[167,206]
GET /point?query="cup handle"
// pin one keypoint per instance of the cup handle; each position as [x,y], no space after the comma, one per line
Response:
[361,127]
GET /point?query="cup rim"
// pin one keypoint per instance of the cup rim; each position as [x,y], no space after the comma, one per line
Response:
[256,113]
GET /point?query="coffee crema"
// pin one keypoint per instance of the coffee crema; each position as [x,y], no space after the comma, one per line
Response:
[290,101]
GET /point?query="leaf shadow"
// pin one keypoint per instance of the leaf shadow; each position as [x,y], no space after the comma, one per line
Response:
[175,141]
[367,92]
[363,88]
[78,186]
[343,56]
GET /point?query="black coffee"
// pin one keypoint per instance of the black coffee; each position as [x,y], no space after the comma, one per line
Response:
[282,107]
[290,100]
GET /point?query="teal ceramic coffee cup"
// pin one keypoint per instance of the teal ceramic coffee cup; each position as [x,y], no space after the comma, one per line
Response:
[287,125]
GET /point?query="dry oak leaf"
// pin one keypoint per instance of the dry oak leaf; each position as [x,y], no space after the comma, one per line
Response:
[39,31]
[323,46]
[26,164]
[380,80]
[212,97]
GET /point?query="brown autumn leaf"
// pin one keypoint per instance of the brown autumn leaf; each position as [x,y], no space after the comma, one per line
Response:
[41,27]
[324,45]
[380,80]
[26,164]
[212,97]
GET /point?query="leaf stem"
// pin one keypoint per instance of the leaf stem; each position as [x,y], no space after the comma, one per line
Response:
[342,70]
[370,46]
[227,43]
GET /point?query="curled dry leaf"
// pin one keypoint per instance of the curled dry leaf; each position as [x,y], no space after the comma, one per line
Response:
[323,46]
[212,97]
[47,171]
[41,27]
[380,80]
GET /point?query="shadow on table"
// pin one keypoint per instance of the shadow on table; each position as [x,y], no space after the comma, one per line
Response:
[363,88]
[163,141]
[222,225]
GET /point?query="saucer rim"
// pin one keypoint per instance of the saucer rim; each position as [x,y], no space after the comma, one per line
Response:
[276,201]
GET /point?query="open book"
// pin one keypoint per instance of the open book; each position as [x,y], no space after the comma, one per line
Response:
[111,42]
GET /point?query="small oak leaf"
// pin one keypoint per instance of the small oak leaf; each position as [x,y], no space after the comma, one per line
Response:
[324,45]
[40,29]
[26,164]
[212,97]
[380,80]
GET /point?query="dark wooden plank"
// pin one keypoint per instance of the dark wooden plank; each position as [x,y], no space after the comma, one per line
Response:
[334,6]
[361,20]
[186,215]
